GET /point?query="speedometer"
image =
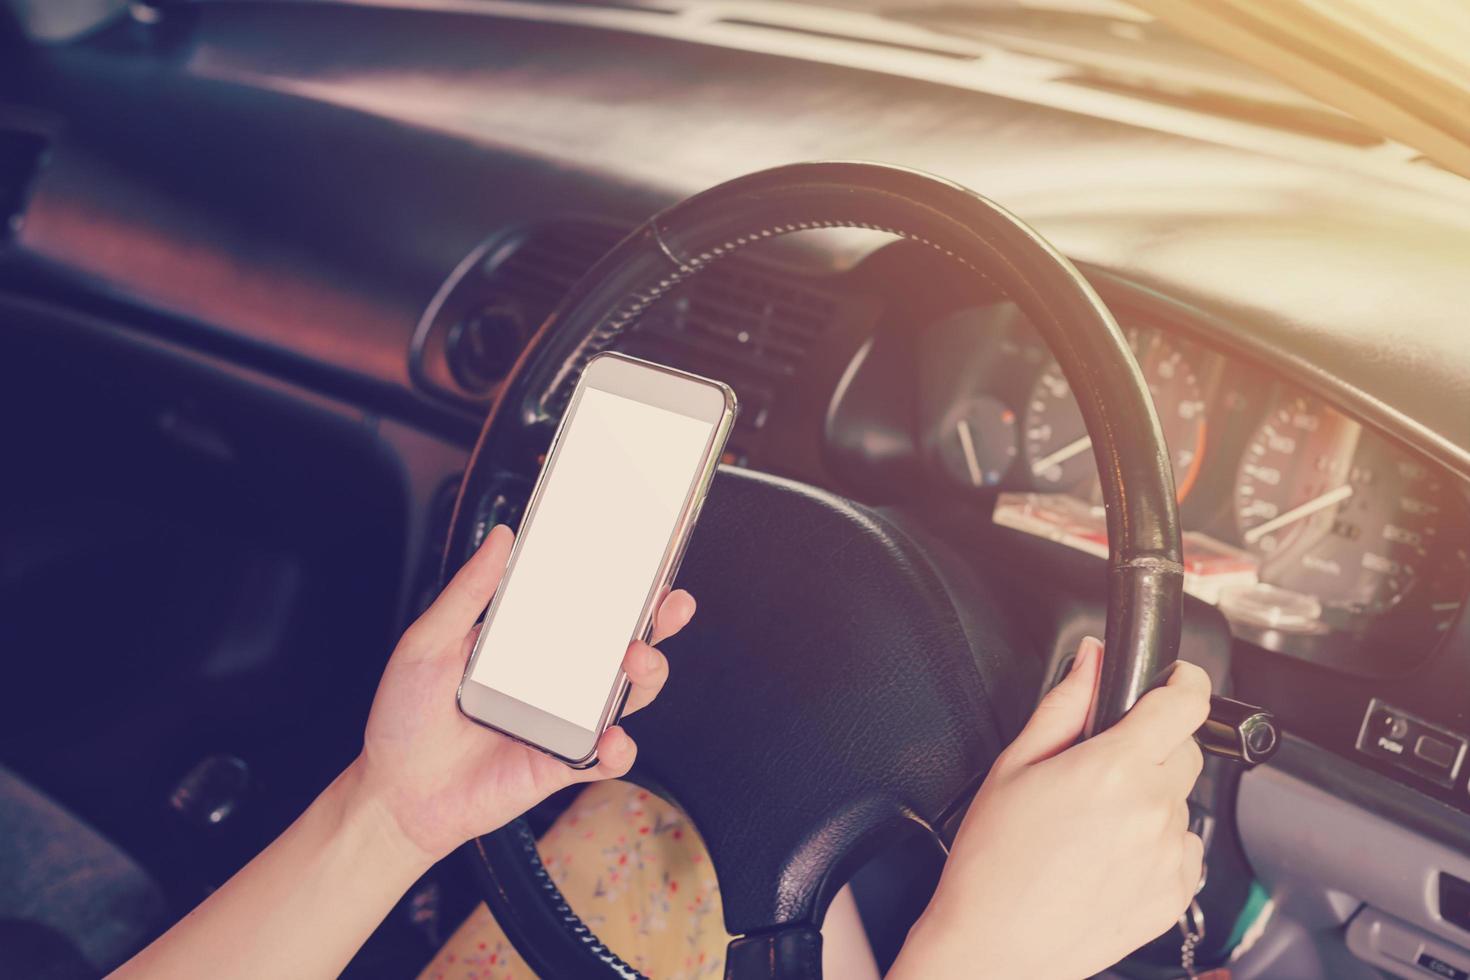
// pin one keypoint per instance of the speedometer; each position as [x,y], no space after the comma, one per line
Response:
[1334,511]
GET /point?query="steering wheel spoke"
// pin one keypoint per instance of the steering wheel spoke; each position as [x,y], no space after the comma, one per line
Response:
[800,726]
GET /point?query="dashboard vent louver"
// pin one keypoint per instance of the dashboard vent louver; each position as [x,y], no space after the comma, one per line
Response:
[745,315]
[545,262]
[737,317]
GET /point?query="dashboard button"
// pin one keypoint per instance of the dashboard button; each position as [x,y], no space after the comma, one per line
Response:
[1393,726]
[1411,744]
[1436,751]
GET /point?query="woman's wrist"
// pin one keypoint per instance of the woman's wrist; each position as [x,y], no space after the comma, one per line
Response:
[368,814]
[308,901]
[930,950]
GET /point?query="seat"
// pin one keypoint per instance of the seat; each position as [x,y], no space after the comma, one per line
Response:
[71,903]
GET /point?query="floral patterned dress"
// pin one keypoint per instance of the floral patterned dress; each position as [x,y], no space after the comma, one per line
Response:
[634,870]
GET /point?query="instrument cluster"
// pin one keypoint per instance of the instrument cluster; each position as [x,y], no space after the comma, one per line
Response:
[1314,534]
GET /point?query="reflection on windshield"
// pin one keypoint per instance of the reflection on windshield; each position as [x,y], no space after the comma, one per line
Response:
[1355,71]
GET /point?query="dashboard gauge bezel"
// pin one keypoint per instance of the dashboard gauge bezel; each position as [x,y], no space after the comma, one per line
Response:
[1393,642]
[1320,685]
[1073,463]
[984,348]
[1238,393]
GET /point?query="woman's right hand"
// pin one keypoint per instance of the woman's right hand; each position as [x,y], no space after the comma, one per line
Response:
[1071,855]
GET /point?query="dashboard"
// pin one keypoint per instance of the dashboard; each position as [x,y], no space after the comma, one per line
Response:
[1298,307]
[1315,535]
[439,173]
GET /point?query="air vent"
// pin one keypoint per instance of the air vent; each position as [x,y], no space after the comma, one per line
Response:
[546,262]
[21,153]
[523,283]
[474,330]
[737,312]
[740,319]
[744,315]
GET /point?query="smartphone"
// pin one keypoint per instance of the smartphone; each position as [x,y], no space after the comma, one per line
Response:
[604,531]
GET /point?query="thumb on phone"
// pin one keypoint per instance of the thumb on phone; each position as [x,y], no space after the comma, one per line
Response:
[1062,714]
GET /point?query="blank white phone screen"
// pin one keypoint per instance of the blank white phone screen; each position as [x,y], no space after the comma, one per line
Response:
[607,513]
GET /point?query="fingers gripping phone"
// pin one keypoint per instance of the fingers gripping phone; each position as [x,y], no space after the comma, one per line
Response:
[603,534]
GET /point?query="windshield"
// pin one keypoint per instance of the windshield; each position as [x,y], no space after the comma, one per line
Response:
[1354,70]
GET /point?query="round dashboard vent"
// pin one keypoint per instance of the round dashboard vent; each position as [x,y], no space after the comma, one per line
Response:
[472,332]
[483,345]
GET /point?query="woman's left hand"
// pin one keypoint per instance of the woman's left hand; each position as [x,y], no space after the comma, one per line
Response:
[444,779]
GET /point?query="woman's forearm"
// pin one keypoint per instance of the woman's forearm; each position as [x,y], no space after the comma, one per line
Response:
[428,779]
[304,905]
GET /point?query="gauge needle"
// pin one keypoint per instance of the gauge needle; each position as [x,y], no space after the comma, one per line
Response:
[967,443]
[1061,455]
[1297,513]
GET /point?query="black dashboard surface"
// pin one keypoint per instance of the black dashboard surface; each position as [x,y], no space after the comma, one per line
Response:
[290,184]
[299,177]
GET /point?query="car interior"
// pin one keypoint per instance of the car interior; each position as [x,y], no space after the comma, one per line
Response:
[267,267]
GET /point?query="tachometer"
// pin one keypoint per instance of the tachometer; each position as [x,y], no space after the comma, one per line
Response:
[1335,511]
[1179,399]
[1058,450]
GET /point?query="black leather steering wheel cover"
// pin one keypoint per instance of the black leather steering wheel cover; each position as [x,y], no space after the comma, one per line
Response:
[972,236]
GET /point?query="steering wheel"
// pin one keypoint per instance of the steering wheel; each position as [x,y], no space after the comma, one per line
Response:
[839,684]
